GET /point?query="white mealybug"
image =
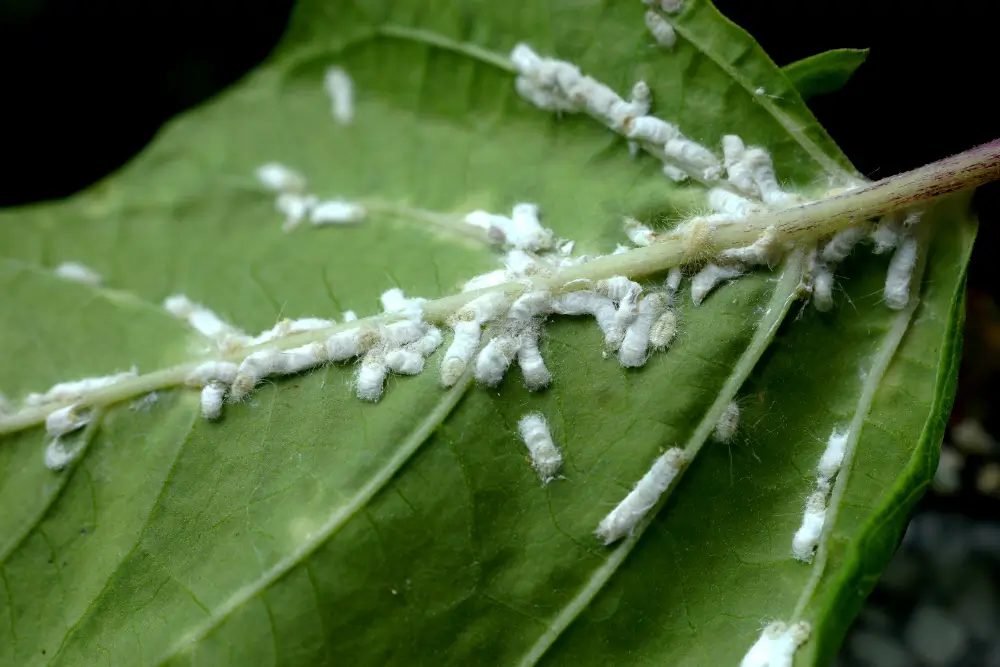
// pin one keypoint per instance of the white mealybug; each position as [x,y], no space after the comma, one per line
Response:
[526,231]
[617,287]
[65,420]
[638,233]
[777,645]
[759,162]
[897,278]
[705,280]
[458,355]
[625,315]
[57,456]
[738,171]
[641,100]
[529,358]
[661,29]
[822,287]
[761,652]
[765,250]
[495,358]
[253,368]
[651,129]
[887,233]
[301,358]
[691,154]
[350,316]
[404,361]
[520,263]
[675,173]
[295,207]
[623,519]
[524,59]
[530,305]
[833,455]
[547,99]
[729,422]
[840,246]
[617,114]
[336,212]
[580,302]
[557,85]
[78,273]
[545,455]
[427,344]
[340,88]
[348,344]
[668,6]
[279,178]
[201,319]
[211,400]
[212,371]
[807,536]
[732,150]
[488,279]
[401,332]
[306,324]
[632,352]
[722,200]
[484,308]
[370,380]
[664,330]
[584,91]
[495,225]
[75,389]
[585,302]
[673,281]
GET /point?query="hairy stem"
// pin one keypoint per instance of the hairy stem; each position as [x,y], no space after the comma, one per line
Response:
[800,224]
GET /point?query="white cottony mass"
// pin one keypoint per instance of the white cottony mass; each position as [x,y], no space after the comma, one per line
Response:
[623,519]
[545,455]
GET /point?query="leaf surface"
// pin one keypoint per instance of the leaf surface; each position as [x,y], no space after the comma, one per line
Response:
[308,527]
[825,72]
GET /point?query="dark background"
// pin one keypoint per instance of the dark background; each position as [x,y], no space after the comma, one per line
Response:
[112,71]
[85,85]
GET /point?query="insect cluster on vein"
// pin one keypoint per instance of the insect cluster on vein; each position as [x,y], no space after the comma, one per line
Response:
[292,200]
[810,531]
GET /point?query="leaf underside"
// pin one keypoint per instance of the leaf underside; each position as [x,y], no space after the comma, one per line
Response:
[308,527]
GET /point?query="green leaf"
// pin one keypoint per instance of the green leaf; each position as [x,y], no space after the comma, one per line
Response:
[308,527]
[825,72]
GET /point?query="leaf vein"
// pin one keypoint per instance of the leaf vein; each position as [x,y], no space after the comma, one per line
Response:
[784,295]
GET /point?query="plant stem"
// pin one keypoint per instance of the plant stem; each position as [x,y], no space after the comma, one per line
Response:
[801,225]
